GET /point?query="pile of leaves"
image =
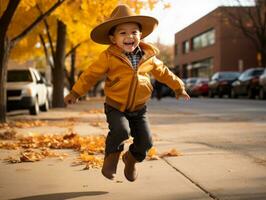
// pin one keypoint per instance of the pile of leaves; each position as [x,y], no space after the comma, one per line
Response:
[70,122]
[33,155]
[23,124]
[36,147]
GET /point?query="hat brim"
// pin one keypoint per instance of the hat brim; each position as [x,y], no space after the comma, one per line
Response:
[100,33]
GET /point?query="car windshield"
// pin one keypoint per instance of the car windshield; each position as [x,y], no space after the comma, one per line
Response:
[229,75]
[19,76]
[202,80]
[257,72]
[191,80]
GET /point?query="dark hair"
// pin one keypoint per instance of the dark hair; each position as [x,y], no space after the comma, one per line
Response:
[112,30]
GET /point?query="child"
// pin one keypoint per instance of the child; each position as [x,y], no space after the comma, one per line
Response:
[127,64]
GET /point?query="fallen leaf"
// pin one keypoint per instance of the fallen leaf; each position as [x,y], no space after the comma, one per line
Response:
[152,154]
[91,161]
[9,134]
[12,159]
[172,152]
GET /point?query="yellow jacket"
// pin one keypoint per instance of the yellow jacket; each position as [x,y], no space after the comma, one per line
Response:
[126,88]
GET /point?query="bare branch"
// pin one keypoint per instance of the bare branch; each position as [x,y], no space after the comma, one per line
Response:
[36,22]
[7,16]
[238,21]
[46,51]
[47,28]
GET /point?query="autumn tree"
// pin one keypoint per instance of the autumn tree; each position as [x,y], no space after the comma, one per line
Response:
[251,20]
[7,42]
[77,29]
[73,27]
[166,53]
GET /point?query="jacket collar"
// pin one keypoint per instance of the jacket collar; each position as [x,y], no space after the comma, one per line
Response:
[137,51]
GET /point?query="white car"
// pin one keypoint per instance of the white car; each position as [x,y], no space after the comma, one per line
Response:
[26,90]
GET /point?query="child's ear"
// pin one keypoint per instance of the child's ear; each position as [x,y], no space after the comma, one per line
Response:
[112,39]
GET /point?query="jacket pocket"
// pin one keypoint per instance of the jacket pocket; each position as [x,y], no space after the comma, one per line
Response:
[144,90]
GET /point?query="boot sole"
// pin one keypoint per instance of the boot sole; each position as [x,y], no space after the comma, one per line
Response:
[108,177]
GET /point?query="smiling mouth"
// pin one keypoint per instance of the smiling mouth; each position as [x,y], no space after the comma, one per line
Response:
[129,43]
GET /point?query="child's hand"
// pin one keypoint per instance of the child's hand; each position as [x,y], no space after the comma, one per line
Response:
[70,99]
[184,95]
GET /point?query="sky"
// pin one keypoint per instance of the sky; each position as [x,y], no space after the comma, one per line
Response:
[181,14]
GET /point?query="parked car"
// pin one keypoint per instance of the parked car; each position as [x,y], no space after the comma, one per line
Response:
[247,84]
[190,83]
[262,85]
[26,90]
[221,83]
[200,88]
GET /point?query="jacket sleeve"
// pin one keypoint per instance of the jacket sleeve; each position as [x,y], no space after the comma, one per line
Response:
[91,75]
[164,75]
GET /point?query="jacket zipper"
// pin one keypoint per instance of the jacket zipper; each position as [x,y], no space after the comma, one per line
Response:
[133,86]
[132,92]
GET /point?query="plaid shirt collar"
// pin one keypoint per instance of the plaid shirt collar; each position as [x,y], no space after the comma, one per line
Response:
[135,56]
[135,52]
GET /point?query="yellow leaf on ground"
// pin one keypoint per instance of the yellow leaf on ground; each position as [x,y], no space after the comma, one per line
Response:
[152,154]
[172,152]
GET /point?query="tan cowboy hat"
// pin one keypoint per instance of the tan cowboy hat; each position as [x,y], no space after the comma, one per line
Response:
[122,14]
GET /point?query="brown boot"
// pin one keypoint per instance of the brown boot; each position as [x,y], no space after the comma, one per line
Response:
[130,170]
[110,164]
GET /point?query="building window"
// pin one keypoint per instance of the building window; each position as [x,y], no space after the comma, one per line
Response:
[203,40]
[186,46]
[202,68]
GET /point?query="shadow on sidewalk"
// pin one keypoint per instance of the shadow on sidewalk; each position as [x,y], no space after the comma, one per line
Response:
[62,196]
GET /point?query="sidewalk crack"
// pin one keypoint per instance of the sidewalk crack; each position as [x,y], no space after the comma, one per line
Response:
[211,195]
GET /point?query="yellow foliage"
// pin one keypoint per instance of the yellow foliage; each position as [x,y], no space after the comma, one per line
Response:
[80,17]
[29,47]
[27,4]
[3,5]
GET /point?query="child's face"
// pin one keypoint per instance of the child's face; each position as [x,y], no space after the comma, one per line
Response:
[126,36]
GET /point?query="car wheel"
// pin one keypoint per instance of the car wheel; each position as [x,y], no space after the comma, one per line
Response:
[262,94]
[45,106]
[35,110]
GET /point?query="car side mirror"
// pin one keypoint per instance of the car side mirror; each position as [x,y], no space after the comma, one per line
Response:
[40,81]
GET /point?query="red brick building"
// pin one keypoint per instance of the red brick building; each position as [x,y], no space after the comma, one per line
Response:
[211,44]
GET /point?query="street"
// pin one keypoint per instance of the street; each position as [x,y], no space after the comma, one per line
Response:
[221,141]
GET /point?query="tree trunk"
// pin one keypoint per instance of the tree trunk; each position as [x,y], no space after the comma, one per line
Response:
[58,71]
[5,46]
[72,69]
[4,52]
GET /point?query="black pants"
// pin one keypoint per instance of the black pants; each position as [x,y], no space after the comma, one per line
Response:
[124,124]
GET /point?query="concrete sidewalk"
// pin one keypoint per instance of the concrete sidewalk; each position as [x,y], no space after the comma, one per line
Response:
[202,173]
